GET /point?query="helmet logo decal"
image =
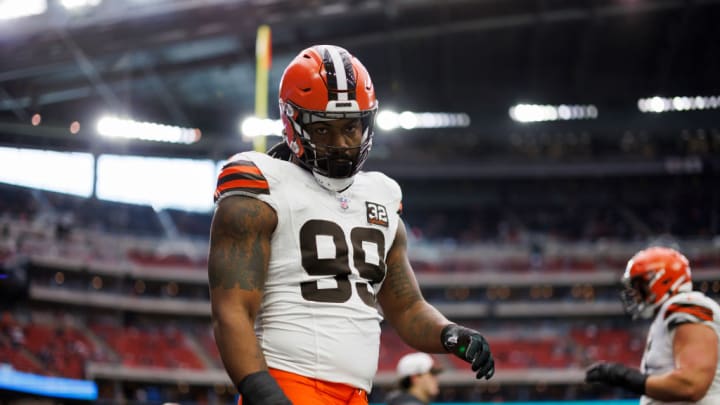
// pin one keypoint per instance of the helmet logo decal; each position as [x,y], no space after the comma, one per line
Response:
[340,75]
[655,276]
[676,285]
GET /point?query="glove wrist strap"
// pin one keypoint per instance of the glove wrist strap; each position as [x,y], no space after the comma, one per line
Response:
[449,337]
[455,339]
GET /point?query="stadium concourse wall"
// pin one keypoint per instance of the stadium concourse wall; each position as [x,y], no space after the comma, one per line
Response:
[180,306]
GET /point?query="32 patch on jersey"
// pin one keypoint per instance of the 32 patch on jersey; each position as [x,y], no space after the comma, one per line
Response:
[376,214]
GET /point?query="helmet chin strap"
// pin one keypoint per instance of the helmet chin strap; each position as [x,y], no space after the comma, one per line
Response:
[332,184]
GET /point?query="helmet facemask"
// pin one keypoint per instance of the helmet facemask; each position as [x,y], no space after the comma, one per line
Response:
[638,301]
[326,160]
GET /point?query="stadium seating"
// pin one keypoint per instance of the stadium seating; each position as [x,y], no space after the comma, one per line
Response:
[113,261]
[150,347]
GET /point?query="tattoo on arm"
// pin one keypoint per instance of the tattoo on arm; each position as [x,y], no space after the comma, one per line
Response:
[401,286]
[417,322]
[424,322]
[400,291]
[239,244]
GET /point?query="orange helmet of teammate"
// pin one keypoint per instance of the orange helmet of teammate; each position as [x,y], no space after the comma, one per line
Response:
[325,82]
[652,276]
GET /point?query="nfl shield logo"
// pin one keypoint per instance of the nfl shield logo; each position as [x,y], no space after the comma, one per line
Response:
[344,203]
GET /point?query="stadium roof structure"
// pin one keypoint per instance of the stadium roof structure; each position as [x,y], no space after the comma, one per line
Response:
[192,63]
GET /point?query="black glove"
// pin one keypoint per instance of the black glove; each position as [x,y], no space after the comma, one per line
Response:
[617,375]
[470,346]
[261,389]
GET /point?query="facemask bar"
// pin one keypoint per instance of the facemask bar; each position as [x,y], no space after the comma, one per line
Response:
[335,162]
[636,298]
[631,300]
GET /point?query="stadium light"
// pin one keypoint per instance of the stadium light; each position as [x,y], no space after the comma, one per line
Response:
[659,104]
[544,112]
[408,120]
[113,127]
[251,127]
[11,9]
[386,120]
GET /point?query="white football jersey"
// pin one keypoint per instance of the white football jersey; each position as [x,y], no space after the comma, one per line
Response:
[693,307]
[318,316]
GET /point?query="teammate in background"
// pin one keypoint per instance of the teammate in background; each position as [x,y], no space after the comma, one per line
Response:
[418,380]
[680,364]
[304,245]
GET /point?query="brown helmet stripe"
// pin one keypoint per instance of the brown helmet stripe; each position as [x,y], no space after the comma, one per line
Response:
[341,81]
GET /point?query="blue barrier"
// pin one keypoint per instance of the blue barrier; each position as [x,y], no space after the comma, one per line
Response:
[55,387]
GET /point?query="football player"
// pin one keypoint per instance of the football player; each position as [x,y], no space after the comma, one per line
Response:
[680,363]
[304,244]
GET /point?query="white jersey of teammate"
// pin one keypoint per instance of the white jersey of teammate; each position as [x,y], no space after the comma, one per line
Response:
[681,308]
[318,316]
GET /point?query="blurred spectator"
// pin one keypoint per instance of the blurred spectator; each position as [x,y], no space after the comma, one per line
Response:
[417,373]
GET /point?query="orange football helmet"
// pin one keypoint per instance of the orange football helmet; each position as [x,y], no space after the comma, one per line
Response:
[652,276]
[325,82]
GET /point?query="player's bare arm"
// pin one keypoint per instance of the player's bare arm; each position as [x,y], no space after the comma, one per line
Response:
[418,323]
[237,266]
[696,358]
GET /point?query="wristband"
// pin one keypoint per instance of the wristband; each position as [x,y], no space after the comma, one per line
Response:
[450,337]
[618,375]
[635,381]
[261,389]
